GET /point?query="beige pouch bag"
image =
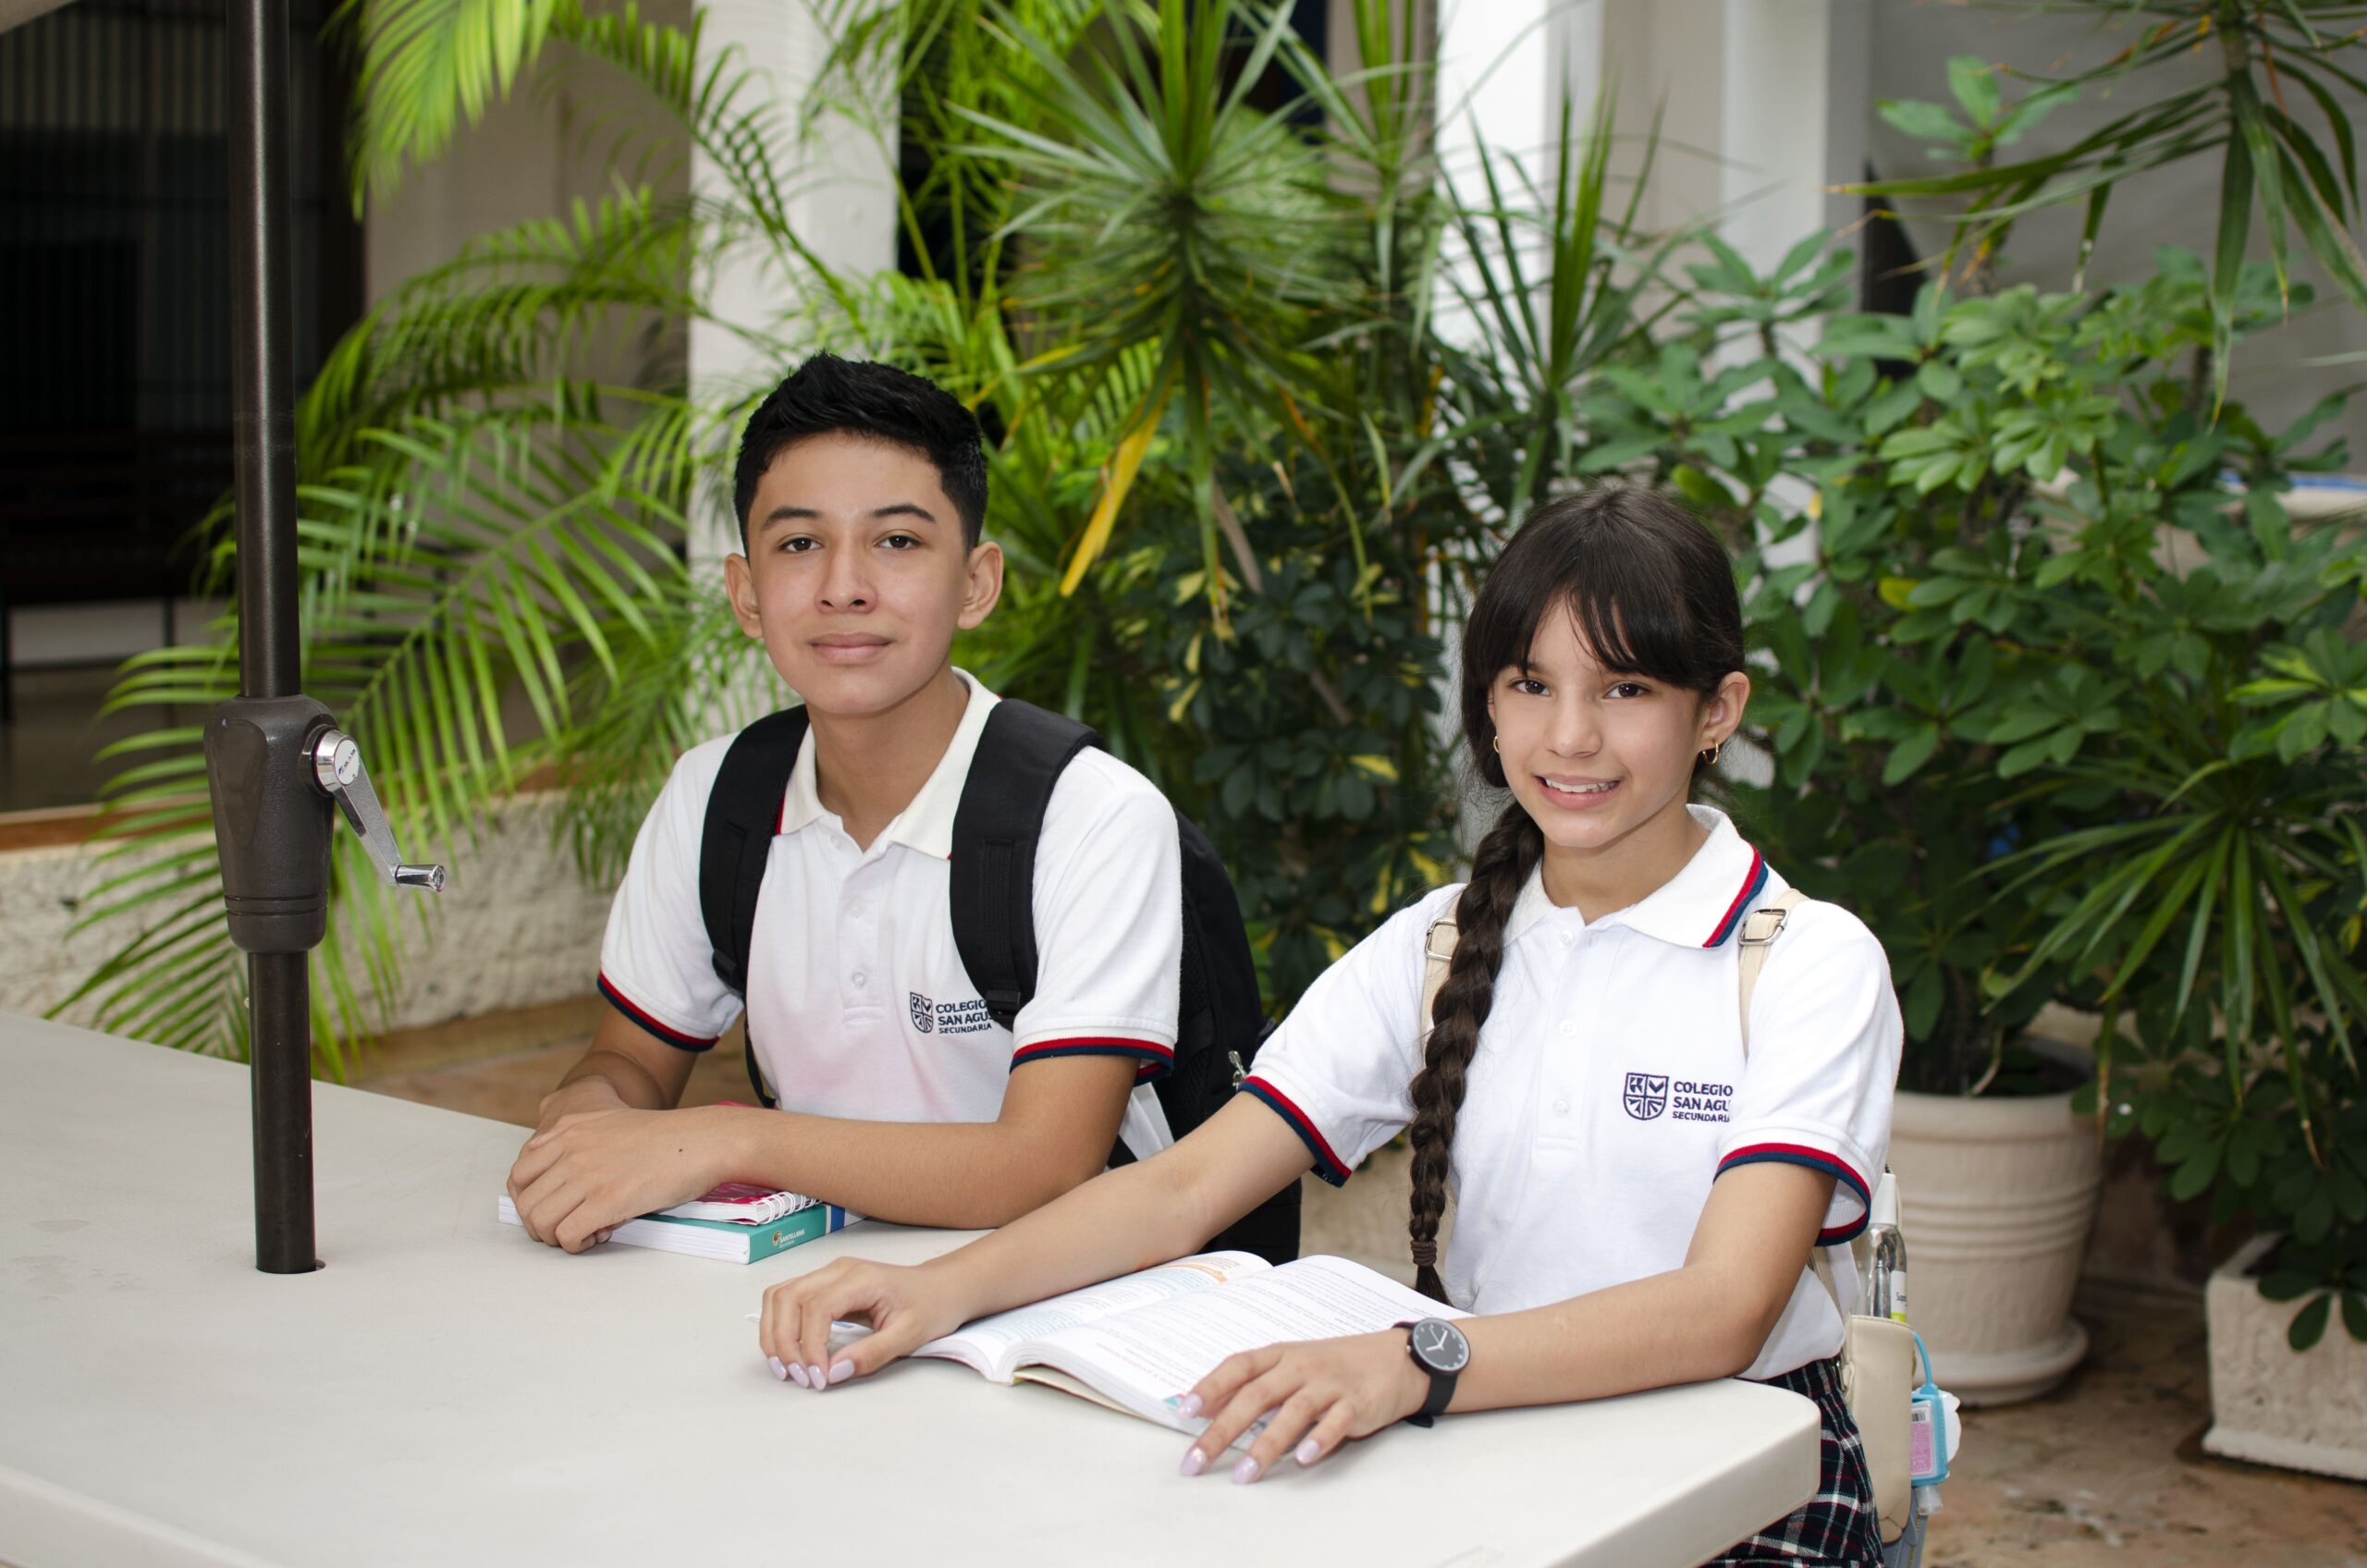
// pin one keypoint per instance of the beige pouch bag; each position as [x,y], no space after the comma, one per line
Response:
[1877,1355]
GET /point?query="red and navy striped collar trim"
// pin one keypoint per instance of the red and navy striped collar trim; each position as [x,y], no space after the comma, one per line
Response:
[1754,882]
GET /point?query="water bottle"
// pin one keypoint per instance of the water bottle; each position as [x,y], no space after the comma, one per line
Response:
[1886,1275]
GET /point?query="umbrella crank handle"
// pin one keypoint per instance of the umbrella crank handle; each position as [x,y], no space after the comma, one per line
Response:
[336,769]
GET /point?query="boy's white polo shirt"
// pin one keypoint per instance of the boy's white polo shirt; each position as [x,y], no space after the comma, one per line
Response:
[1610,1088]
[858,1004]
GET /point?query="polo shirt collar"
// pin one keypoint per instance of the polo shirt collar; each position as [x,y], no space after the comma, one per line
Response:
[927,825]
[1701,906]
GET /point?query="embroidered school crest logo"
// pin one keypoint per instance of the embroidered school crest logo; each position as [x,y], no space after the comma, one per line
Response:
[923,1013]
[1647,1096]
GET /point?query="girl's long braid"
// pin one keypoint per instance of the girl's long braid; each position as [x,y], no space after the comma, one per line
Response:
[1505,857]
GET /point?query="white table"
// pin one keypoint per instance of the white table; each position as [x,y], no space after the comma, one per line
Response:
[447,1392]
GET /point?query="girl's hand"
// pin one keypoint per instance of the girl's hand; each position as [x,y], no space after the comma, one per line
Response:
[906,1308]
[1322,1394]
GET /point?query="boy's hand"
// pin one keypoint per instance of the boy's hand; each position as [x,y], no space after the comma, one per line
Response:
[583,1095]
[1319,1394]
[590,1171]
[906,1308]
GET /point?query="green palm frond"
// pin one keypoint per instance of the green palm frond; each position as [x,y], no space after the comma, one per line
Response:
[514,310]
[428,67]
[636,720]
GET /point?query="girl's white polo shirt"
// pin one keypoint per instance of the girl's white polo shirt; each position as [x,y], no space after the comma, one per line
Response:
[858,1004]
[1610,1088]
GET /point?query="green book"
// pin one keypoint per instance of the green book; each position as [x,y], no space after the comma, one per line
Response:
[728,1239]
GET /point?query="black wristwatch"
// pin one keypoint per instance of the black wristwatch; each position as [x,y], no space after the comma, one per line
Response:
[1439,1348]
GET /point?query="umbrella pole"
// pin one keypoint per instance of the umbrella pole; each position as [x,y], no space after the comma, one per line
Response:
[276,764]
[282,828]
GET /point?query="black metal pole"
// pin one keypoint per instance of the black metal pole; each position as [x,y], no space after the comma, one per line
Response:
[262,361]
[270,659]
[279,1006]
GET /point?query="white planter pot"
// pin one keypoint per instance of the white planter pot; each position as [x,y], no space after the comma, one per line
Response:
[1998,1197]
[2268,1405]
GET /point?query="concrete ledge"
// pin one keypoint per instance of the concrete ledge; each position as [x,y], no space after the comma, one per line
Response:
[2270,1404]
[516,927]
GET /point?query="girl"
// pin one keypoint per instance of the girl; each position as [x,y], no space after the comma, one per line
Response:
[1638,1198]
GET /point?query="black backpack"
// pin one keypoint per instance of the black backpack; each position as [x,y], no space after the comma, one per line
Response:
[1221,1021]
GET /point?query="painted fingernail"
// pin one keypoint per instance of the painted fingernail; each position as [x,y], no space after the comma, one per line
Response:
[780,1369]
[1194,1462]
[1244,1472]
[814,1375]
[841,1370]
[1190,1407]
[797,1374]
[1308,1451]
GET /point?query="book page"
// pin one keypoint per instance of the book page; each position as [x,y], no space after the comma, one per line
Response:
[992,1345]
[1147,1358]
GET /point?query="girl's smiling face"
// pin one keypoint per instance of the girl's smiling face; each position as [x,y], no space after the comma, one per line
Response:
[1603,759]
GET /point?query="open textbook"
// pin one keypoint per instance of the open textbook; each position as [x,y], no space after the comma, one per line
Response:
[1138,1343]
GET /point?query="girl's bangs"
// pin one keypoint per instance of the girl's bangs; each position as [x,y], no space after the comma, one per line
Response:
[1628,603]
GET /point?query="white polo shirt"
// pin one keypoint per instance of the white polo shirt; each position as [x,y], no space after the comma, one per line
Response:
[858,1004]
[1610,1088]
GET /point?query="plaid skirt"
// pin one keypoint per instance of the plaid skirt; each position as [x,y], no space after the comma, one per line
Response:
[1839,1528]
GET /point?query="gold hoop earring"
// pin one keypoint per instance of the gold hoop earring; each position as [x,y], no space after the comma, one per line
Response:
[1711,756]
[1496,745]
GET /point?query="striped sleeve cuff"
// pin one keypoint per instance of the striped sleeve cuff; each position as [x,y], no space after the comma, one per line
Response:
[1814,1159]
[672,1037]
[1154,1060]
[1328,1165]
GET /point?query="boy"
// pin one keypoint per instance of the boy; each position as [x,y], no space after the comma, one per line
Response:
[862,492]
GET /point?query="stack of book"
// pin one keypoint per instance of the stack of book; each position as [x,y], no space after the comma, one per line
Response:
[737,1221]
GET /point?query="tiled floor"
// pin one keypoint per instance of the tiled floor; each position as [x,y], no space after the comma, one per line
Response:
[2107,1469]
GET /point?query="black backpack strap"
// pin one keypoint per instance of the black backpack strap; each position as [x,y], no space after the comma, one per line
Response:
[1021,754]
[742,817]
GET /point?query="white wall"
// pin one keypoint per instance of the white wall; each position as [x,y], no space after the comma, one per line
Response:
[1760,104]
[2177,204]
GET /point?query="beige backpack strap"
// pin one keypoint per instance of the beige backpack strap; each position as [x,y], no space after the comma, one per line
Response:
[1823,1264]
[1760,928]
[1438,953]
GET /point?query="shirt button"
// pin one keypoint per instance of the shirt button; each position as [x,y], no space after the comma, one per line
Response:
[860,979]
[1561,1107]
[1569,937]
[1569,1028]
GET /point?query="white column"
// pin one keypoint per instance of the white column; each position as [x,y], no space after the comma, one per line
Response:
[1774,141]
[841,195]
[1506,68]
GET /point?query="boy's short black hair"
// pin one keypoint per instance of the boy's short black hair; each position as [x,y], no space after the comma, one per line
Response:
[864,398]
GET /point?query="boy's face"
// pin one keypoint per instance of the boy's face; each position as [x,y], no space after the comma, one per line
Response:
[856,577]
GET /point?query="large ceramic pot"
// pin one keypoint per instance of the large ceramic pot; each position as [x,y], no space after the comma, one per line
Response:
[1998,1195]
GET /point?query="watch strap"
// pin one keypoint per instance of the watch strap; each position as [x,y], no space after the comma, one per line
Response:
[1442,1383]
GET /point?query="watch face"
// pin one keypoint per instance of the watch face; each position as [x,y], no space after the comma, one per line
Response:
[1439,1345]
